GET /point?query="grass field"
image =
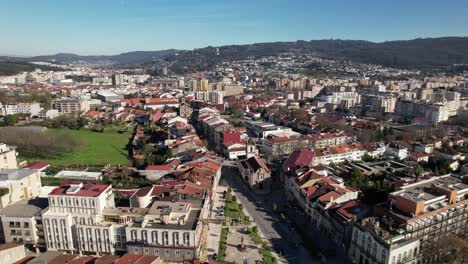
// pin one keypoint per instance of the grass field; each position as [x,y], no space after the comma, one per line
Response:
[95,149]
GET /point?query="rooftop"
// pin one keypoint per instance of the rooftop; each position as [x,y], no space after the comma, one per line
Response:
[80,189]
[8,175]
[24,208]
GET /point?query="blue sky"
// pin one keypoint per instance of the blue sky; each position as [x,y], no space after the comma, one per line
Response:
[37,27]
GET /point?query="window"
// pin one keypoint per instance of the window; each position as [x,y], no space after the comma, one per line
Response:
[167,252]
[393,260]
[177,253]
[26,225]
[144,236]
[154,237]
[146,251]
[399,258]
[27,233]
[186,239]
[133,235]
[404,256]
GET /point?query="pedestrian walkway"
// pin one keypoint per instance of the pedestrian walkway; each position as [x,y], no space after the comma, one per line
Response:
[214,229]
[236,237]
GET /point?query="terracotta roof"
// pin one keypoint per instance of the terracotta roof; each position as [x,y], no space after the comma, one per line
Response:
[349,209]
[159,167]
[255,163]
[136,259]
[87,189]
[299,158]
[329,197]
[9,245]
[143,191]
[36,165]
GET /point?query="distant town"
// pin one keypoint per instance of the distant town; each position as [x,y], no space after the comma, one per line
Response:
[291,158]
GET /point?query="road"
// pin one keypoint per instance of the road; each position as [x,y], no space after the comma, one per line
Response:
[282,238]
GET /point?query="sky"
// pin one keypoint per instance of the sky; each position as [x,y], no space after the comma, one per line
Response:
[106,27]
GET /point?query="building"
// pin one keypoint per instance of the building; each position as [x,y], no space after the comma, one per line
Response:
[32,109]
[22,223]
[70,105]
[407,228]
[170,230]
[228,89]
[215,97]
[255,173]
[11,253]
[48,113]
[18,184]
[118,79]
[107,96]
[264,129]
[185,110]
[8,157]
[73,221]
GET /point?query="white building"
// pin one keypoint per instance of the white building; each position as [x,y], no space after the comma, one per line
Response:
[19,184]
[216,97]
[8,157]
[22,108]
[71,223]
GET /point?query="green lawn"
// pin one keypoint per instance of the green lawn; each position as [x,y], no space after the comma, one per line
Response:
[96,149]
[222,244]
[233,210]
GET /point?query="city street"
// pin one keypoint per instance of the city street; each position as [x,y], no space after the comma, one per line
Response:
[283,239]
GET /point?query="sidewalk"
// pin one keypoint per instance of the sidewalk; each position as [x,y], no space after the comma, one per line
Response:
[214,229]
[279,258]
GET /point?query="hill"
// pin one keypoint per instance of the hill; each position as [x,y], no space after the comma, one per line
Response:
[417,53]
[15,67]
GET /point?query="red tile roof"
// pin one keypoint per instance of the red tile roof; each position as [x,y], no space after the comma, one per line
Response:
[159,167]
[136,259]
[36,165]
[87,189]
[299,158]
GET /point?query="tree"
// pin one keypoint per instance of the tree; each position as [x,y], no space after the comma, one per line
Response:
[236,110]
[450,249]
[10,120]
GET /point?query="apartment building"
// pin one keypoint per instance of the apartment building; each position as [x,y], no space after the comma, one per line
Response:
[70,105]
[22,108]
[18,184]
[8,157]
[215,97]
[170,230]
[408,228]
[22,223]
[71,221]
[351,152]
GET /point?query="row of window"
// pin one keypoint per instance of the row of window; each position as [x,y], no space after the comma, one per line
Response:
[165,237]
[18,224]
[72,202]
[405,256]
[167,252]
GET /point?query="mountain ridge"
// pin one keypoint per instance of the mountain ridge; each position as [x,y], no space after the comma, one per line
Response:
[414,53]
